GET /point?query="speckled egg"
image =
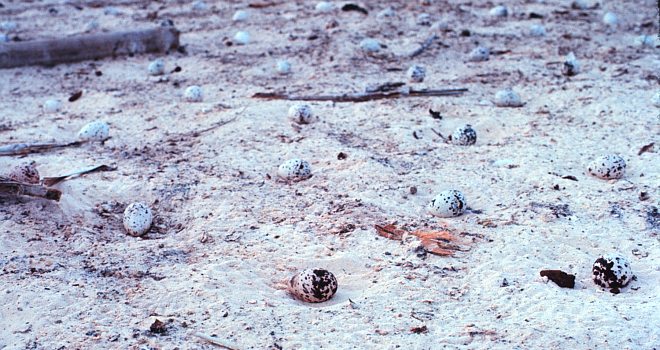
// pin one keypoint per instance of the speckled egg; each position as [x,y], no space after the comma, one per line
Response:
[240,16]
[52,106]
[313,285]
[25,172]
[507,98]
[464,136]
[610,19]
[156,67]
[242,38]
[137,219]
[94,131]
[571,65]
[607,167]
[295,169]
[479,54]
[612,271]
[448,204]
[370,45]
[193,94]
[416,74]
[499,11]
[283,67]
[300,114]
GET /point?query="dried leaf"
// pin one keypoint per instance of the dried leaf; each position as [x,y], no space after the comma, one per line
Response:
[438,242]
[76,95]
[390,231]
[646,148]
[419,330]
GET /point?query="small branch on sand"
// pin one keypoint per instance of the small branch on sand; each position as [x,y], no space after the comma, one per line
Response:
[423,46]
[214,341]
[87,47]
[359,97]
[50,181]
[26,148]
[9,187]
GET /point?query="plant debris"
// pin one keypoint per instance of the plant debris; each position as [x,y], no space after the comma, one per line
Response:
[437,242]
[561,278]
[354,7]
[646,148]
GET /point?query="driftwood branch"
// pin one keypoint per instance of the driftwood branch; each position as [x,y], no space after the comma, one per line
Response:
[215,341]
[87,47]
[27,148]
[50,181]
[425,45]
[9,187]
[360,97]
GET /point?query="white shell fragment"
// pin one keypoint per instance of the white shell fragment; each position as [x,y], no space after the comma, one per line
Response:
[25,172]
[370,45]
[386,12]
[479,54]
[52,106]
[612,271]
[240,16]
[645,40]
[507,98]
[295,169]
[193,93]
[416,74]
[499,11]
[424,19]
[571,65]
[242,38]
[283,67]
[199,6]
[464,136]
[300,113]
[8,26]
[313,285]
[156,67]
[607,167]
[325,6]
[137,219]
[94,131]
[537,30]
[448,204]
[4,38]
[610,19]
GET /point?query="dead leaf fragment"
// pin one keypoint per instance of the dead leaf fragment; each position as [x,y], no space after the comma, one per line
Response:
[646,148]
[390,231]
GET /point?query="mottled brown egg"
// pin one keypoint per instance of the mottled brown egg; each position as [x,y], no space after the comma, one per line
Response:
[24,172]
[313,285]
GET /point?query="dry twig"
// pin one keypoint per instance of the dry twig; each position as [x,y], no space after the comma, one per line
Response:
[50,181]
[214,341]
[27,148]
[9,187]
[359,97]
[423,46]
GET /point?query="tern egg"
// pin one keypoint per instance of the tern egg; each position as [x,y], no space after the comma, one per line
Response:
[25,172]
[447,204]
[507,98]
[193,94]
[156,67]
[240,16]
[295,169]
[607,167]
[52,106]
[499,11]
[416,74]
[137,219]
[242,38]
[313,285]
[479,54]
[94,131]
[464,136]
[571,65]
[283,67]
[300,113]
[370,45]
[612,271]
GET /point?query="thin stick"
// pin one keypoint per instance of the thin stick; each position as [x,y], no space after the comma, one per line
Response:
[214,341]
[50,181]
[362,97]
[26,148]
[22,189]
[87,47]
[423,46]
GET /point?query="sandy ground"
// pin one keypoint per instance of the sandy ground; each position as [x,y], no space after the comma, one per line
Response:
[227,233]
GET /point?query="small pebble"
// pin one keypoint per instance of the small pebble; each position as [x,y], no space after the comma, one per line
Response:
[580,4]
[92,26]
[25,172]
[610,19]
[499,11]
[656,99]
[52,106]
[507,98]
[479,54]
[464,136]
[325,6]
[416,74]
[440,26]
[424,19]
[300,113]
[156,67]
[447,204]
[8,26]
[199,6]
[193,94]
[137,219]
[283,67]
[240,16]
[537,30]
[295,169]
[4,38]
[612,271]
[313,285]
[386,12]
[242,38]
[94,131]
[607,167]
[645,40]
[369,45]
[571,65]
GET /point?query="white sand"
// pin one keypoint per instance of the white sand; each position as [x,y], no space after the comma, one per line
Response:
[226,235]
